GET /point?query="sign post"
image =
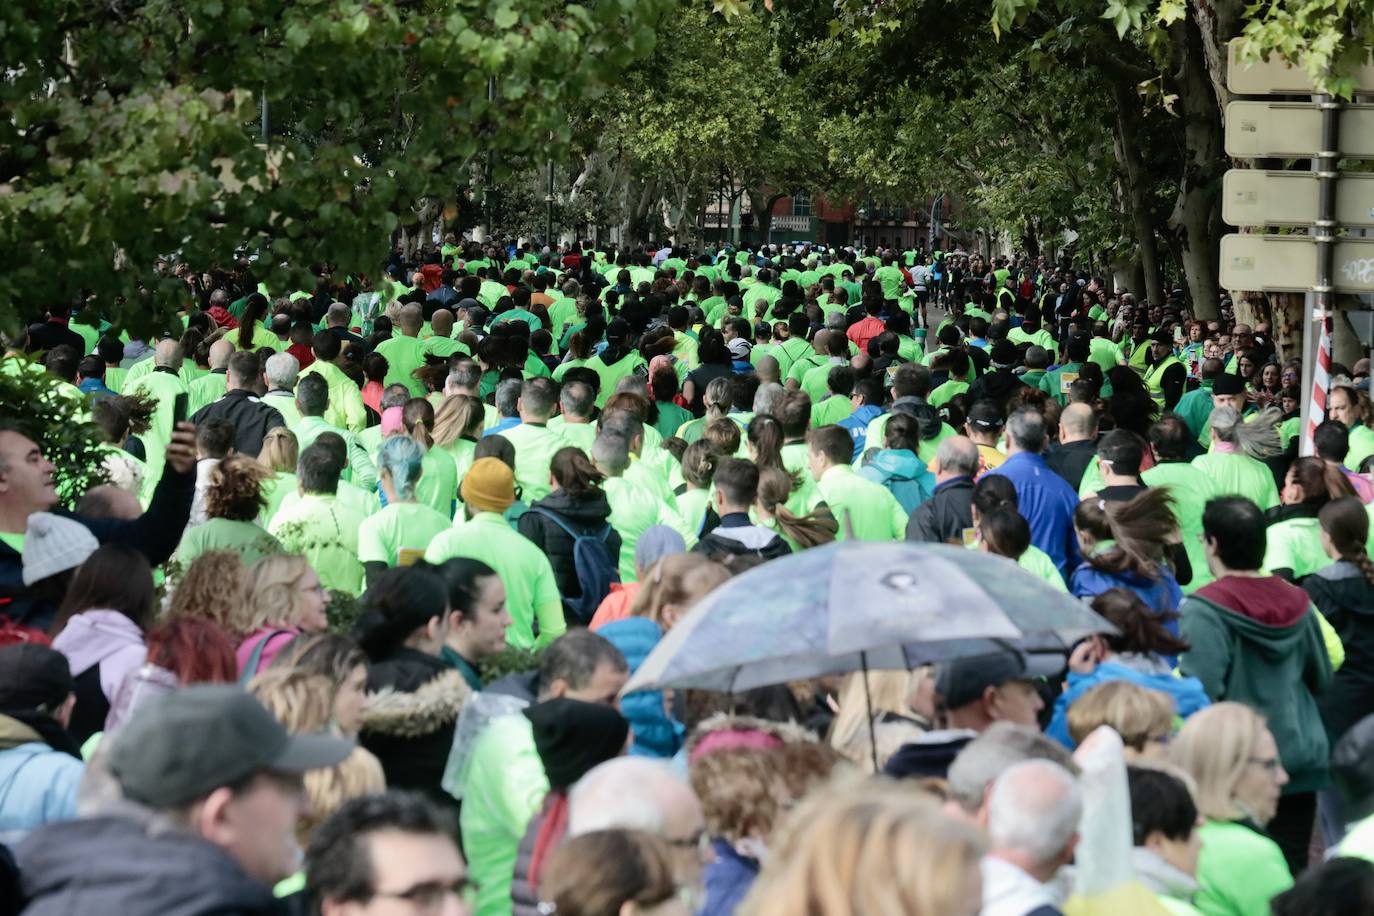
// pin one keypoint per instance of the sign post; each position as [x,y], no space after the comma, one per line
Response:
[1319,263]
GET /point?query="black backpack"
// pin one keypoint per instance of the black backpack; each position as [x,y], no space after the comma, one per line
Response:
[596,568]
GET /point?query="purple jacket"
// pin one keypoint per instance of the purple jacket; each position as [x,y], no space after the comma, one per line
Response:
[104,638]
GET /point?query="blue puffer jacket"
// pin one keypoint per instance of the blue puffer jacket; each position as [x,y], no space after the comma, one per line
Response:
[656,734]
[1146,671]
[1161,595]
[37,783]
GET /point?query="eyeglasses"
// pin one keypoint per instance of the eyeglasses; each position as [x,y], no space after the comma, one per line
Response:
[1268,764]
[429,896]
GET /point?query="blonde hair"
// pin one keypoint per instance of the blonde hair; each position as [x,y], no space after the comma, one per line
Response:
[1215,746]
[1135,713]
[215,587]
[304,704]
[272,597]
[876,849]
[891,692]
[458,416]
[280,450]
[678,579]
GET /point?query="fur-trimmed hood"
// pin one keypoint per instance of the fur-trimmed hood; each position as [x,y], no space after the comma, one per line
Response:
[422,711]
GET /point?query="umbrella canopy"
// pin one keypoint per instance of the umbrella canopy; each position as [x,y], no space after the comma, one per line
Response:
[851,605]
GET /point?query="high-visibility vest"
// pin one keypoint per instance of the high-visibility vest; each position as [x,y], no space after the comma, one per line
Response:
[1155,378]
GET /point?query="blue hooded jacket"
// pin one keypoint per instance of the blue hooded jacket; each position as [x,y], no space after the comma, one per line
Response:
[903,474]
[1150,672]
[656,734]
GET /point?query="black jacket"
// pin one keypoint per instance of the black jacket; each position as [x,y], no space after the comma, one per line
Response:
[1071,460]
[155,533]
[722,541]
[413,702]
[944,516]
[252,419]
[997,386]
[1343,595]
[134,863]
[587,512]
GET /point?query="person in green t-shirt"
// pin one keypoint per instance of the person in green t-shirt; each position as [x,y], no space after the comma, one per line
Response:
[838,405]
[401,532]
[233,500]
[318,526]
[405,352]
[478,618]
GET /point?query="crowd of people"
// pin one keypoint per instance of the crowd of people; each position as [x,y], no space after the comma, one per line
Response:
[347,627]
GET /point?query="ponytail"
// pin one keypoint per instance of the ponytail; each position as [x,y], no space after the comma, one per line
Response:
[1347,525]
[1141,628]
[1140,527]
[418,418]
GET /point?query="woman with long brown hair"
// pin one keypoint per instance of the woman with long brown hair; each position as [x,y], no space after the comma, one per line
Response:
[438,487]
[1294,542]
[1344,593]
[1124,545]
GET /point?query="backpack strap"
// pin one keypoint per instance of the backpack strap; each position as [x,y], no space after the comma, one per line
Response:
[553,517]
[250,667]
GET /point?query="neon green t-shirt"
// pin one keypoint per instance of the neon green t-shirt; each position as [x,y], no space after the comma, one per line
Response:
[400,533]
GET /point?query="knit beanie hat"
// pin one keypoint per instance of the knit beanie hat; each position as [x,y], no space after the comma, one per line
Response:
[54,544]
[572,737]
[488,486]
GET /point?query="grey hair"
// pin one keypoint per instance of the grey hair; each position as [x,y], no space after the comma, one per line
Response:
[1034,807]
[1026,428]
[627,793]
[464,375]
[957,455]
[835,321]
[577,399]
[1258,438]
[611,453]
[395,395]
[572,289]
[401,457]
[984,758]
[766,397]
[507,396]
[281,370]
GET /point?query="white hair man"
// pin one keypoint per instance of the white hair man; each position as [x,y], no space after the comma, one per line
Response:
[633,793]
[1031,817]
[280,372]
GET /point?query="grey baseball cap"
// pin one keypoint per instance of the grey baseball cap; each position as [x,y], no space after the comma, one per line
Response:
[196,739]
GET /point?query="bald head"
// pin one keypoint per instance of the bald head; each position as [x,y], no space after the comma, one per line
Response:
[767,369]
[441,323]
[220,351]
[338,315]
[634,793]
[1077,423]
[168,354]
[1033,812]
[411,319]
[109,501]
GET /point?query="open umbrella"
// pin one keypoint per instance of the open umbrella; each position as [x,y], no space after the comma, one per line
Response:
[852,606]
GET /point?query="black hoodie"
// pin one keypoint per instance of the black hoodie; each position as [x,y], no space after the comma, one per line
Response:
[587,513]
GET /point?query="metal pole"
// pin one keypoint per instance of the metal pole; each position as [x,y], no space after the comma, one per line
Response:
[548,235]
[1322,301]
[263,109]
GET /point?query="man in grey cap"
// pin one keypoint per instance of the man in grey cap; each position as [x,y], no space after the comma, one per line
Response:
[212,789]
[972,694]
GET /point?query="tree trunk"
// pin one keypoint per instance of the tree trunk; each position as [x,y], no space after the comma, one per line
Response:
[1030,242]
[1128,155]
[1196,220]
[1217,21]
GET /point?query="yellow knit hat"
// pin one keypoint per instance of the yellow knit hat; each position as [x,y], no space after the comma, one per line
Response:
[488,486]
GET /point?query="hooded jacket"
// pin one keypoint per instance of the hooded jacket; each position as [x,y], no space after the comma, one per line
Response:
[1343,595]
[1148,671]
[1173,887]
[656,733]
[735,536]
[902,473]
[134,863]
[413,704]
[1257,641]
[588,512]
[102,648]
[38,782]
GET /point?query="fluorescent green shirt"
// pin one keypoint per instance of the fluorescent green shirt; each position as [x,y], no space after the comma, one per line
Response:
[438,486]
[1233,474]
[462,452]
[162,388]
[246,539]
[870,508]
[1038,563]
[275,489]
[1296,544]
[325,532]
[633,510]
[403,356]
[345,408]
[816,381]
[946,392]
[534,450]
[612,374]
[400,534]
[1361,446]
[1190,490]
[285,404]
[531,592]
[831,410]
[205,390]
[360,471]
[805,496]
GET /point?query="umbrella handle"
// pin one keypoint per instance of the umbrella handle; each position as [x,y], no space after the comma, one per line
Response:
[868,704]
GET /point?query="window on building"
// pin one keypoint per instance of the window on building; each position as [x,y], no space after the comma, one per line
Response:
[801,204]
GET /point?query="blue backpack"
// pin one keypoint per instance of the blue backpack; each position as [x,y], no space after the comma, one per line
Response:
[596,568]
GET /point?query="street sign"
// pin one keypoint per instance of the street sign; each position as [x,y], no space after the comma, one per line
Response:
[1276,76]
[1293,130]
[1287,263]
[1253,197]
